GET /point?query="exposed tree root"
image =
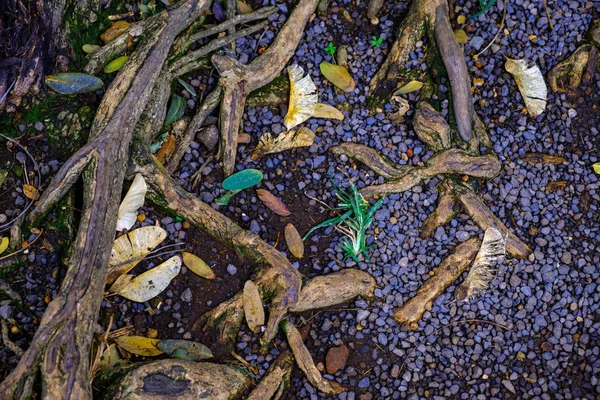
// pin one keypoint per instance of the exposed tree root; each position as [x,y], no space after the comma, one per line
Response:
[239,80]
[444,211]
[449,270]
[272,385]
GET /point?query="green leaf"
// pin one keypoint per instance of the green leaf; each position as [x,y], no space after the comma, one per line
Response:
[115,64]
[176,109]
[90,48]
[243,179]
[596,168]
[187,86]
[224,199]
[185,349]
[73,83]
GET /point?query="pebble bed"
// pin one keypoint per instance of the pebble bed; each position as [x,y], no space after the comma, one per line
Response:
[542,335]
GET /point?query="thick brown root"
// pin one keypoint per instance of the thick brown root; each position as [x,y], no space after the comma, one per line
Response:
[238,80]
[483,217]
[431,128]
[451,161]
[170,379]
[272,385]
[443,213]
[306,363]
[372,159]
[450,269]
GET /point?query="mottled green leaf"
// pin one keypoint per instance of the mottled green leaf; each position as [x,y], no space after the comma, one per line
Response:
[115,64]
[176,109]
[73,83]
[243,179]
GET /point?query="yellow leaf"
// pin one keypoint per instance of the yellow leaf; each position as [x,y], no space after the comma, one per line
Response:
[29,191]
[3,244]
[253,307]
[532,37]
[114,31]
[167,149]
[294,241]
[149,284]
[596,168]
[461,19]
[302,137]
[128,250]
[303,97]
[338,75]
[115,64]
[409,87]
[197,265]
[326,111]
[243,7]
[139,345]
[478,81]
[530,82]
[461,36]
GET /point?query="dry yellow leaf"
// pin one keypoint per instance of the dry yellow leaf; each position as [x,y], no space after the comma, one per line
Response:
[461,36]
[294,241]
[326,111]
[253,307]
[139,345]
[29,191]
[303,97]
[197,265]
[114,31]
[3,244]
[478,81]
[531,85]
[149,284]
[338,75]
[302,137]
[110,357]
[409,87]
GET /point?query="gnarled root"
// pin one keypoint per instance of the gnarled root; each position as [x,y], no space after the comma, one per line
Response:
[238,80]
[443,213]
[567,75]
[277,378]
[452,161]
[450,269]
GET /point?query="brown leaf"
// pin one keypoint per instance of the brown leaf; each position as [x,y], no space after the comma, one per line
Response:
[167,149]
[115,30]
[555,186]
[244,138]
[336,358]
[253,307]
[294,241]
[29,191]
[338,75]
[537,158]
[271,201]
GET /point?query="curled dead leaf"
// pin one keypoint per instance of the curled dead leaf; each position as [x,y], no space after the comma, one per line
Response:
[408,88]
[271,201]
[303,97]
[302,137]
[530,82]
[253,307]
[294,241]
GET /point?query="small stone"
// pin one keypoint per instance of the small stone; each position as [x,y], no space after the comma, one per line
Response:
[231,269]
[507,384]
[186,296]
[39,126]
[336,358]
[3,218]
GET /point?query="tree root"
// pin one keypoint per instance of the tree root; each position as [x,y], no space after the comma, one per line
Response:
[452,161]
[238,80]
[6,339]
[444,211]
[567,75]
[277,378]
[450,269]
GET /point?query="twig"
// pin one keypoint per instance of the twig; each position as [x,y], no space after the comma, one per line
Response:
[501,28]
[9,343]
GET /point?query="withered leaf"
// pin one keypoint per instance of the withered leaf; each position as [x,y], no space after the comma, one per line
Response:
[555,186]
[302,137]
[253,307]
[139,345]
[338,75]
[530,82]
[197,265]
[323,110]
[167,149]
[294,241]
[537,158]
[271,201]
[114,31]
[29,191]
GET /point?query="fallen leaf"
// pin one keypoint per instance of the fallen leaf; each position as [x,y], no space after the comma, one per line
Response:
[4,244]
[110,357]
[128,250]
[596,167]
[167,149]
[114,31]
[303,97]
[243,180]
[176,110]
[115,64]
[338,75]
[29,191]
[408,88]
[139,345]
[253,307]
[190,89]
[478,81]
[243,7]
[73,83]
[271,201]
[120,283]
[133,200]
[461,19]
[90,48]
[552,187]
[326,111]
[244,138]
[185,349]
[336,358]
[461,36]
[530,82]
[537,158]
[149,284]
[303,137]
[294,241]
[197,265]
[3,176]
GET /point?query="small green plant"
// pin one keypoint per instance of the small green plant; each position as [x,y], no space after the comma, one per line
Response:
[330,49]
[353,223]
[376,42]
